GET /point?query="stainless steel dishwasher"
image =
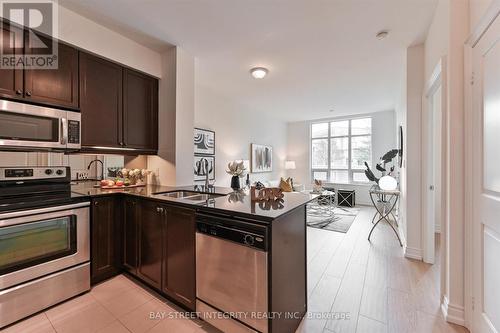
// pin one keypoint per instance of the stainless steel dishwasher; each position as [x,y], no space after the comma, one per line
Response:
[232,274]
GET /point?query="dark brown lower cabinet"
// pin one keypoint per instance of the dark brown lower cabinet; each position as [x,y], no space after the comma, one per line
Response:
[105,241]
[179,265]
[150,242]
[153,241]
[130,235]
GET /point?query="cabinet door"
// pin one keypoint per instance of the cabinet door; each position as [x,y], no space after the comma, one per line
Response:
[150,242]
[140,110]
[179,280]
[56,87]
[104,262]
[130,232]
[11,80]
[100,102]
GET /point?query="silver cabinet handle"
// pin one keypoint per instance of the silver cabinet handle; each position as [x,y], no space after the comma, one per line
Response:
[64,131]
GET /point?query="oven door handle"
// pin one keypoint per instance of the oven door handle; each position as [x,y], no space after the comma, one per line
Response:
[64,131]
[5,216]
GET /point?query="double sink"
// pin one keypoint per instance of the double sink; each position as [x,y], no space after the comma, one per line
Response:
[190,196]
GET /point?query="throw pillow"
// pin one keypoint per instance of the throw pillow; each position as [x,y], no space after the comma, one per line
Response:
[286,185]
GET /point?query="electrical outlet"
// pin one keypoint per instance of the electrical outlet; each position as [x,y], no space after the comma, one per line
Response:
[82,175]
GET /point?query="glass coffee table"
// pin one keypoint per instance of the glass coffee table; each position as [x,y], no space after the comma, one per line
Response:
[323,205]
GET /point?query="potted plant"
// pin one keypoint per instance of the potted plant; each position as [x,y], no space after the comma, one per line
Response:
[236,170]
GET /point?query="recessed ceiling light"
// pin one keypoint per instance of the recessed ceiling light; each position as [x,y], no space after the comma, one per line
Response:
[382,34]
[259,72]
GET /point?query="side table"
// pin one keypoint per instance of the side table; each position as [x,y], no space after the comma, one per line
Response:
[384,202]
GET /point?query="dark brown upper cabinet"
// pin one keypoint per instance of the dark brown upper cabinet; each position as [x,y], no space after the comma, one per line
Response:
[140,110]
[11,80]
[119,107]
[55,87]
[100,102]
[179,263]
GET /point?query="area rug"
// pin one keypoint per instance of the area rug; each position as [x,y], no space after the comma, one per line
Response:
[340,221]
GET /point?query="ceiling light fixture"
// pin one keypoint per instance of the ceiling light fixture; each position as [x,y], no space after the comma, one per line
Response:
[382,34]
[259,72]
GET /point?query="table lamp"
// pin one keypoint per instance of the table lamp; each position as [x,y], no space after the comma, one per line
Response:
[290,165]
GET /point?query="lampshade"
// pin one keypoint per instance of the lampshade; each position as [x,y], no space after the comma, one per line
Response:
[246,164]
[388,183]
[290,165]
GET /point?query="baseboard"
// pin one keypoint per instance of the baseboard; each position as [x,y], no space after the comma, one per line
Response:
[454,314]
[437,229]
[413,253]
[402,235]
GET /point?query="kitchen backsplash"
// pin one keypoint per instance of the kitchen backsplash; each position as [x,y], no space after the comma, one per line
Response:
[77,162]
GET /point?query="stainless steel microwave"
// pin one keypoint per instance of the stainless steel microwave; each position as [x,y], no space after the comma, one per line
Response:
[30,127]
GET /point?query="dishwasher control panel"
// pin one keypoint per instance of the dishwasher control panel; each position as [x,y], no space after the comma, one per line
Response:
[238,235]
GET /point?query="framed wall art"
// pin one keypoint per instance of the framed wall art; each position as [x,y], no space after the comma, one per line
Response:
[203,165]
[262,158]
[204,142]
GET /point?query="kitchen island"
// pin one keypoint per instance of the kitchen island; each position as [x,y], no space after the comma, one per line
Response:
[213,251]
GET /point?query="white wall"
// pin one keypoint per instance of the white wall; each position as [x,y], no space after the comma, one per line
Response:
[236,127]
[173,165]
[477,10]
[459,31]
[82,32]
[436,43]
[446,37]
[413,160]
[383,140]
[401,120]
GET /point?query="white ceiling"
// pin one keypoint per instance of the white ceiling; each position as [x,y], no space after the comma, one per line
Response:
[322,54]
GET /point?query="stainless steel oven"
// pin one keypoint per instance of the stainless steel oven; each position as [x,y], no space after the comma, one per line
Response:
[44,258]
[31,127]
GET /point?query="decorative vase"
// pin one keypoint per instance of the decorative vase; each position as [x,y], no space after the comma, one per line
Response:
[235,183]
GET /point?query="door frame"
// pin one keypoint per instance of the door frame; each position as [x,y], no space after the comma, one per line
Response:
[438,79]
[471,120]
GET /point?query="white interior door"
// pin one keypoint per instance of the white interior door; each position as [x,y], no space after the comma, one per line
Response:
[433,151]
[437,152]
[486,171]
[431,198]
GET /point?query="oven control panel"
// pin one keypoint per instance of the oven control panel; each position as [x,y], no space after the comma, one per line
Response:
[34,173]
[250,238]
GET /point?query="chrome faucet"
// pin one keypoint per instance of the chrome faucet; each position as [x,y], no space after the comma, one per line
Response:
[102,167]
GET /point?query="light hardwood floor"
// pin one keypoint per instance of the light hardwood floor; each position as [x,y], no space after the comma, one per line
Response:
[371,287]
[368,287]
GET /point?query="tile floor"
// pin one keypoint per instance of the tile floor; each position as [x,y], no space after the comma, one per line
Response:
[380,290]
[114,306]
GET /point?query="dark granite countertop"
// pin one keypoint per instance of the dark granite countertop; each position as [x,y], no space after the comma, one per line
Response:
[228,202]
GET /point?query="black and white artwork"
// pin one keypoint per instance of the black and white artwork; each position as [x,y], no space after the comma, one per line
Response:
[204,141]
[262,158]
[203,165]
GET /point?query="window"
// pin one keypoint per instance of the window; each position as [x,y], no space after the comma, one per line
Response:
[339,150]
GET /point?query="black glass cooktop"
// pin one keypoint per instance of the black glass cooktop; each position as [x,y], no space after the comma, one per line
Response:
[23,199]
